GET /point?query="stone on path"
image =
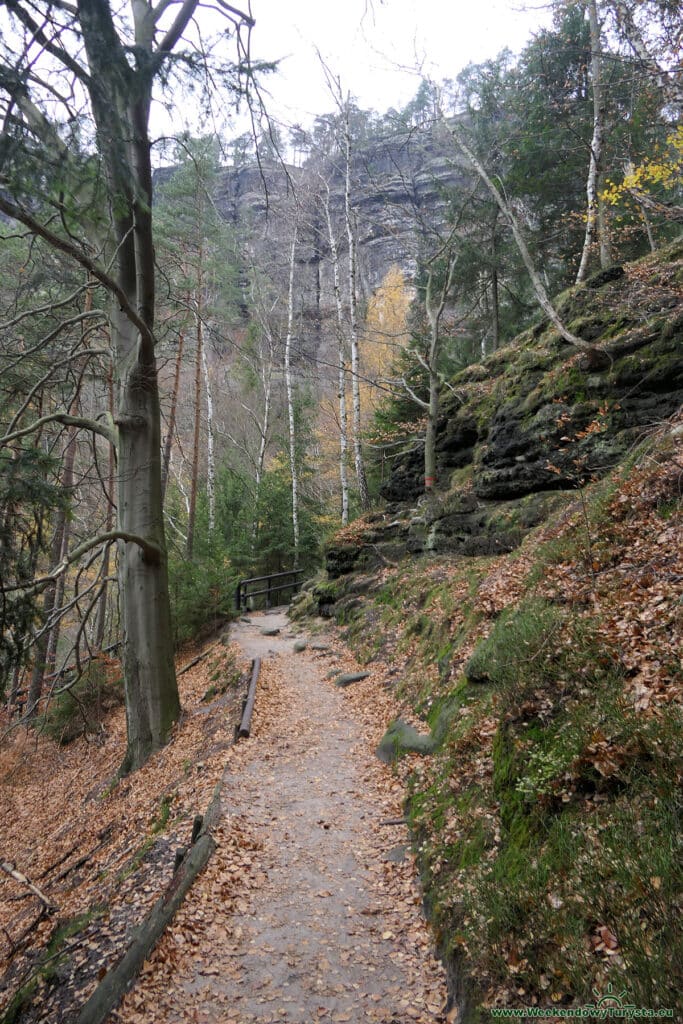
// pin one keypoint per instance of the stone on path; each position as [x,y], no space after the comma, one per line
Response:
[346,678]
[401,738]
[270,631]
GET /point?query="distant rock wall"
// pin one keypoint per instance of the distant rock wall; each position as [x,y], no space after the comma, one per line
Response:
[396,183]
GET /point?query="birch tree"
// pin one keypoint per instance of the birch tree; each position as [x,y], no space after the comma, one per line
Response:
[440,273]
[289,338]
[110,60]
[593,352]
[651,29]
[345,142]
[596,215]
[341,358]
[361,477]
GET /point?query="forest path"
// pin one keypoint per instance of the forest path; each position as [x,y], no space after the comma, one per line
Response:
[309,910]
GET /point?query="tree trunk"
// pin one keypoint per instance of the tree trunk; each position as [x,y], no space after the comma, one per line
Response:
[210,456]
[40,655]
[434,307]
[593,351]
[648,228]
[264,427]
[596,217]
[341,353]
[109,523]
[495,294]
[363,492]
[290,404]
[152,700]
[430,433]
[46,644]
[168,446]
[197,426]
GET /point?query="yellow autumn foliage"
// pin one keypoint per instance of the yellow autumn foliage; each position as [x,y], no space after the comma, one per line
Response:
[385,335]
[663,170]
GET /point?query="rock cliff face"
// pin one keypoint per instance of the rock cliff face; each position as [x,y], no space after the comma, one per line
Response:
[520,433]
[394,182]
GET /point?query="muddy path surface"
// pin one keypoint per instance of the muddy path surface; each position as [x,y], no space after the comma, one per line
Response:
[309,909]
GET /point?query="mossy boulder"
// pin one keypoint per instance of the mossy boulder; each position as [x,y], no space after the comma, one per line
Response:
[402,738]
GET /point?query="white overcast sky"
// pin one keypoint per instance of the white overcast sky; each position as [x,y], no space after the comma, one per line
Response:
[367,43]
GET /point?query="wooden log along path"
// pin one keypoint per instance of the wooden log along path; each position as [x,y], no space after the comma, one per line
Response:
[308,910]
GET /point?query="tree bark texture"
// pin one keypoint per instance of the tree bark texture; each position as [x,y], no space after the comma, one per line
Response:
[100,627]
[46,645]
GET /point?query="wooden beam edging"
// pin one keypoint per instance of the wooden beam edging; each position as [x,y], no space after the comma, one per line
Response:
[245,724]
[119,979]
[199,657]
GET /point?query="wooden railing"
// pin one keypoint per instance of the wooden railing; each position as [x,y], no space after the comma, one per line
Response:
[270,587]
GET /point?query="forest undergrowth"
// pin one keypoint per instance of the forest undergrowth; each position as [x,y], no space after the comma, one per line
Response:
[100,849]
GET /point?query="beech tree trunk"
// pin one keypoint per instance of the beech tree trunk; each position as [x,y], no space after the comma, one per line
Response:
[46,645]
[152,700]
[109,523]
[120,98]
[40,656]
[430,433]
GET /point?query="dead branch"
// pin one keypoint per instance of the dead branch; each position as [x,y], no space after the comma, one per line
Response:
[18,876]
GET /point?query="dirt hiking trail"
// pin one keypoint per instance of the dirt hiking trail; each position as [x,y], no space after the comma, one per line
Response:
[309,909]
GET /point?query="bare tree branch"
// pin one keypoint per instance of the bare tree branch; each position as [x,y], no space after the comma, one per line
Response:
[77,254]
[103,429]
[151,551]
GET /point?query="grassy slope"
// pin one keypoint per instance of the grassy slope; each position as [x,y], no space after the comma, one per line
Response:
[548,821]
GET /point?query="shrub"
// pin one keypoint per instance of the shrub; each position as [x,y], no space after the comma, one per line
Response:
[82,707]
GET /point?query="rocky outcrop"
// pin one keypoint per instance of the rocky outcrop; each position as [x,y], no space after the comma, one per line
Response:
[521,432]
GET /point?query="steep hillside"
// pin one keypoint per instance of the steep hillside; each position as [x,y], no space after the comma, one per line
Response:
[530,617]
